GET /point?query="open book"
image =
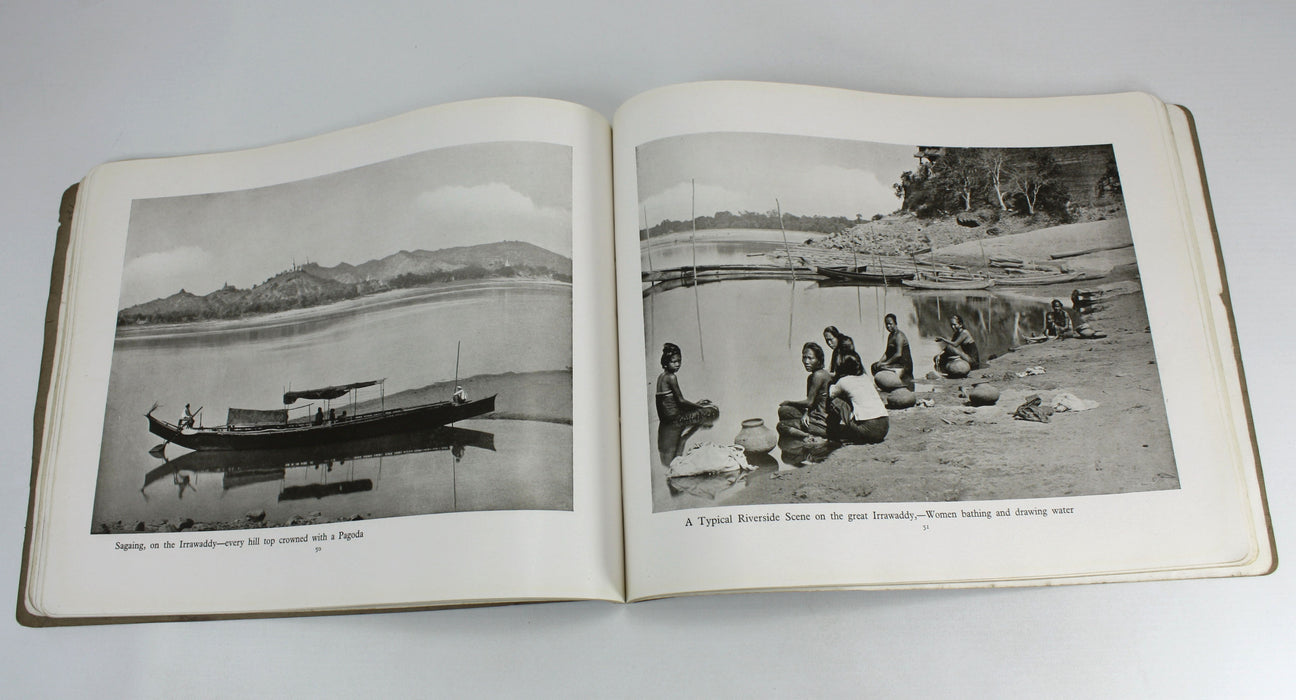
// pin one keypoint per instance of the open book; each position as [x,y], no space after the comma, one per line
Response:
[747,337]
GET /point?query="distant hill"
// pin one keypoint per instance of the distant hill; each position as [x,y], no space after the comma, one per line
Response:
[488,256]
[313,285]
[181,306]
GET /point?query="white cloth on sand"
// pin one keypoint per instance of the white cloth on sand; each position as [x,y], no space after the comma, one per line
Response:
[1070,402]
[709,458]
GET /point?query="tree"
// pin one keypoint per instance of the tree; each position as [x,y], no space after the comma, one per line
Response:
[960,173]
[903,188]
[994,162]
[922,192]
[1109,184]
[1030,174]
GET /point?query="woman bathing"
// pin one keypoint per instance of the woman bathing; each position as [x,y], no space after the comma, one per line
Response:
[808,416]
[1057,322]
[672,407]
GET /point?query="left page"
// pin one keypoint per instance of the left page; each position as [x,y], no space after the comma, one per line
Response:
[364,370]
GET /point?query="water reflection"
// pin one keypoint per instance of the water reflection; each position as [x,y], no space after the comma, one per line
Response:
[247,467]
[673,437]
[998,324]
[713,488]
[708,488]
[318,491]
[678,251]
[796,452]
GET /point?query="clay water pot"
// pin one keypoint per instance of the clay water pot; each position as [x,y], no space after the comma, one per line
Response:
[755,438]
[983,395]
[887,380]
[901,398]
[957,368]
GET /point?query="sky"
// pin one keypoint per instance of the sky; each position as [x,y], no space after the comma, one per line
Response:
[447,197]
[749,171]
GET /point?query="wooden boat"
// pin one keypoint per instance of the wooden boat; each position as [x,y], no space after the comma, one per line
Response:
[249,429]
[949,283]
[318,491]
[1038,280]
[864,275]
[675,278]
[723,272]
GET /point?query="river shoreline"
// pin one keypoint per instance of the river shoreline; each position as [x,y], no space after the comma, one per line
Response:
[953,451]
[292,317]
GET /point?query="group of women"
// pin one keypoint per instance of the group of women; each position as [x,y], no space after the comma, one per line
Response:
[1058,324]
[841,402]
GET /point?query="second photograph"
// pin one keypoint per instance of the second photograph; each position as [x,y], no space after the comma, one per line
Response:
[837,321]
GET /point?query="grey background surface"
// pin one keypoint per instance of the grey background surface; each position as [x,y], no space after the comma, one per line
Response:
[82,83]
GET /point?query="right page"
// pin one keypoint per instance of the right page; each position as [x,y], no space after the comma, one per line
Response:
[880,341]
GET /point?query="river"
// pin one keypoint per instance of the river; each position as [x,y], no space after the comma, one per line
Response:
[741,343]
[407,338]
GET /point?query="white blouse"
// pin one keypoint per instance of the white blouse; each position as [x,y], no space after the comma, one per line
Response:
[862,394]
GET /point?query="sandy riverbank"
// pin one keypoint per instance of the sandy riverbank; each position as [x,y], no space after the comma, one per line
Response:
[955,452]
[252,521]
[1111,238]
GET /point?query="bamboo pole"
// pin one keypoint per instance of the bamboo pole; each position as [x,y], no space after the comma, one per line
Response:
[791,311]
[788,249]
[648,240]
[651,306]
[697,302]
[859,302]
[779,208]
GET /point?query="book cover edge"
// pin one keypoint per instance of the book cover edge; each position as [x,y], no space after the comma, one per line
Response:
[67,205]
[1227,300]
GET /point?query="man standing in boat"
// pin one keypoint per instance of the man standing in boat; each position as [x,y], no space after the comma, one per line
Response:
[187,419]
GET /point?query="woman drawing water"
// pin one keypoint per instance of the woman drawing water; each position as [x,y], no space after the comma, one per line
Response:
[959,353]
[855,411]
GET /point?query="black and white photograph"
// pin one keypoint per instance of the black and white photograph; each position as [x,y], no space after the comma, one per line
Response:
[389,340]
[831,320]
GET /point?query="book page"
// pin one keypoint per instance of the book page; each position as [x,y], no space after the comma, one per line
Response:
[362,370]
[877,341]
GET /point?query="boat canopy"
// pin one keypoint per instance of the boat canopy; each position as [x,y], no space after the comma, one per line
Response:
[252,416]
[328,392]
